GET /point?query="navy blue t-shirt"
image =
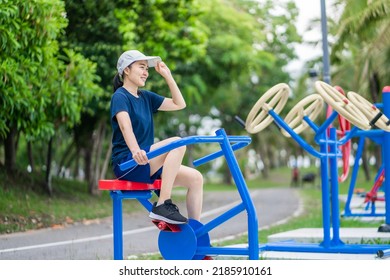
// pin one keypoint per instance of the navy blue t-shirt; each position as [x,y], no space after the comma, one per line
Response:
[141,111]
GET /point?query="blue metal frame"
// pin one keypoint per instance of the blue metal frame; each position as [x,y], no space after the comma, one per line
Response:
[117,216]
[386,153]
[328,154]
[383,253]
[377,136]
[369,205]
[194,234]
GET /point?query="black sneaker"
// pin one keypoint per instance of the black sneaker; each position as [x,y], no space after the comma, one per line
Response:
[167,212]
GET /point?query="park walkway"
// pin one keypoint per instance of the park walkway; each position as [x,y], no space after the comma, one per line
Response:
[92,240]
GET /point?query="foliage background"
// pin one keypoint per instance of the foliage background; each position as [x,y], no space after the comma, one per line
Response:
[58,58]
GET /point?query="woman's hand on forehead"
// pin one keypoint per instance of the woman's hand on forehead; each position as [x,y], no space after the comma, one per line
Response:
[163,69]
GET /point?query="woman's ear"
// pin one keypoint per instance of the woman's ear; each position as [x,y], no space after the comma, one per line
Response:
[126,71]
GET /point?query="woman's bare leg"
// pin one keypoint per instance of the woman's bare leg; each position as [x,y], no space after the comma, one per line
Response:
[191,179]
[171,161]
[176,174]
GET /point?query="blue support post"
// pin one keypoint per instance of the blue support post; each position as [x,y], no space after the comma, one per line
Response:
[253,239]
[334,189]
[118,224]
[325,193]
[386,153]
[355,170]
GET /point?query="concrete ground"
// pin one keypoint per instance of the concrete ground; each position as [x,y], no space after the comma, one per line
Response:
[93,240]
[351,237]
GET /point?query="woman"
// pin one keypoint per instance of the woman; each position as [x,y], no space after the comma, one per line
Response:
[133,136]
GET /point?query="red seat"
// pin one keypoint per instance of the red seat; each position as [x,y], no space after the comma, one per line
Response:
[122,185]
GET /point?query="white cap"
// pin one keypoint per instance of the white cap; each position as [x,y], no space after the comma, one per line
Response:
[131,56]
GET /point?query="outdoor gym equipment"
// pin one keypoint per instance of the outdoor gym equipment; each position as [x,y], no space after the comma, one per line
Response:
[381,124]
[345,126]
[383,253]
[311,106]
[380,136]
[258,117]
[192,241]
[342,105]
[328,154]
[372,196]
[370,110]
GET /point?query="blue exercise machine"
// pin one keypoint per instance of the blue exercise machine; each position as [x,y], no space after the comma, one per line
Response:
[301,117]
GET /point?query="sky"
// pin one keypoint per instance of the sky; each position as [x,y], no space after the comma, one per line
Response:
[308,10]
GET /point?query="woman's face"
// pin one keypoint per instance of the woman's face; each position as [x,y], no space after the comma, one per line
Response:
[138,73]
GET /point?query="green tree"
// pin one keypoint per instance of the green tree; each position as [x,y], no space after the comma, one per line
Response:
[40,89]
[101,31]
[93,30]
[277,20]
[28,45]
[362,45]
[361,52]
[248,47]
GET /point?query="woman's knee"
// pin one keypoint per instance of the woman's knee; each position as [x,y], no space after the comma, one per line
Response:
[189,177]
[197,178]
[181,149]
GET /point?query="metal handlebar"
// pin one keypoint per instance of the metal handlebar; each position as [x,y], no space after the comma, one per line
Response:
[240,142]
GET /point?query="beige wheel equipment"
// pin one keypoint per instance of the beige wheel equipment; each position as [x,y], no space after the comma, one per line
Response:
[275,98]
[342,105]
[310,106]
[370,110]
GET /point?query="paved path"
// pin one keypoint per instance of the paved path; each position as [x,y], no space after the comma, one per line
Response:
[92,240]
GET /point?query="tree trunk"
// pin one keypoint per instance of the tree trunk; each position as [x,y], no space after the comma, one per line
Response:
[97,154]
[265,171]
[106,163]
[30,156]
[48,184]
[374,87]
[272,158]
[227,176]
[87,164]
[378,156]
[67,157]
[10,151]
[374,91]
[77,157]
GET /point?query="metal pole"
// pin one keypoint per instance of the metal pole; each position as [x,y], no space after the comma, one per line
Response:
[386,152]
[325,49]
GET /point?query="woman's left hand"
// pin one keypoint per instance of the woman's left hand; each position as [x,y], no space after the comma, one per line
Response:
[163,69]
